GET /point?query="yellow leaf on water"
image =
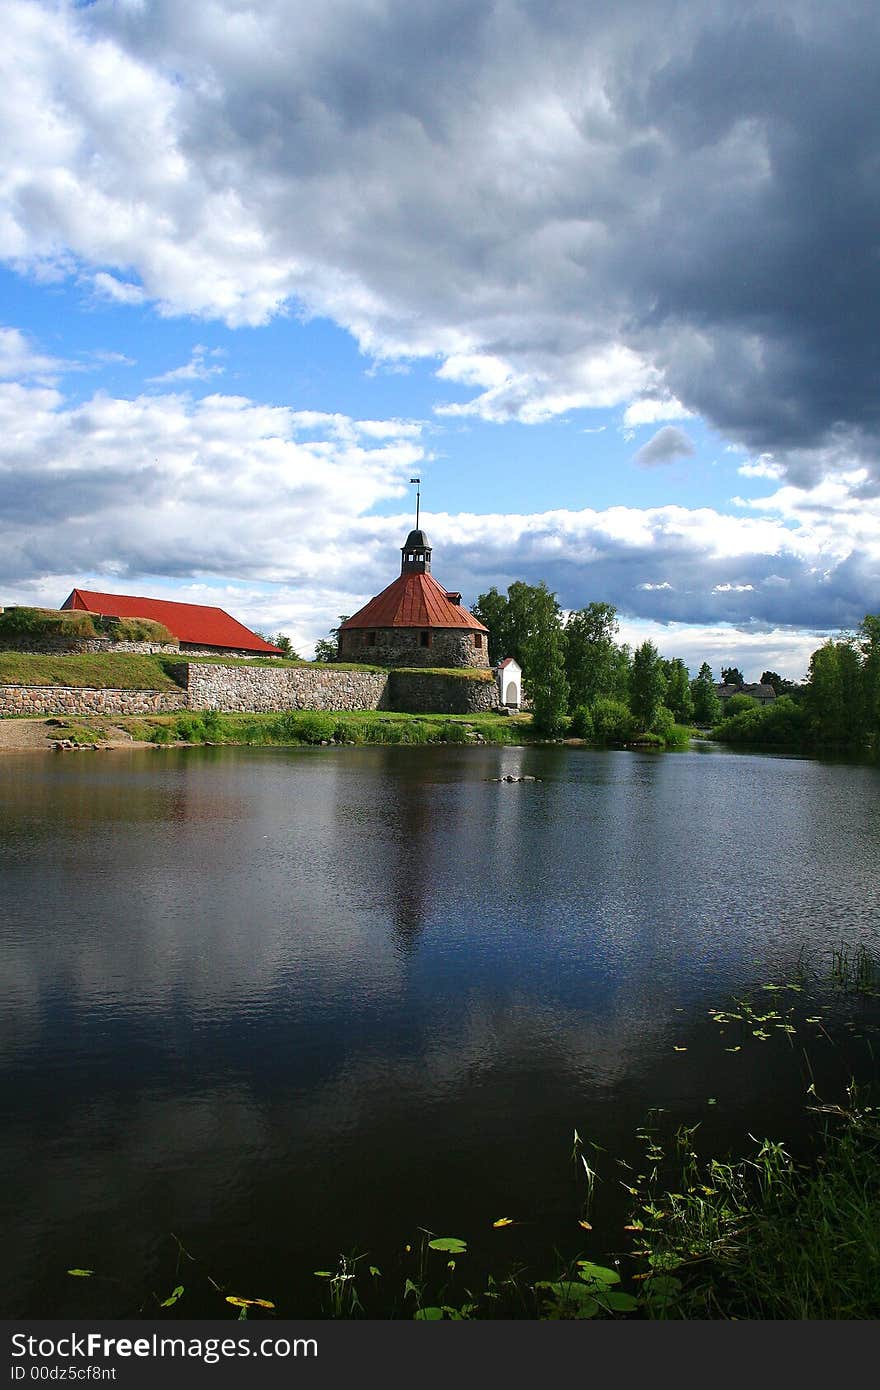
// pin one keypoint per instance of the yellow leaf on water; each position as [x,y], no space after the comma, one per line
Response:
[586,1225]
[503,1221]
[679,1049]
[248,1302]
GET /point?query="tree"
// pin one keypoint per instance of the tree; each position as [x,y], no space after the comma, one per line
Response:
[647,684]
[545,654]
[591,661]
[869,640]
[515,623]
[732,675]
[825,695]
[739,704]
[282,640]
[492,610]
[327,648]
[678,696]
[707,706]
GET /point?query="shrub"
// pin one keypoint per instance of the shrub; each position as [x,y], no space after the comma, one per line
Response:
[46,622]
[784,724]
[739,704]
[453,733]
[612,719]
[582,722]
[136,630]
[663,723]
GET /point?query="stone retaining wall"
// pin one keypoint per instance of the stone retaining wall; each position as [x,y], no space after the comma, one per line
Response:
[410,692]
[260,689]
[66,646]
[39,700]
[255,689]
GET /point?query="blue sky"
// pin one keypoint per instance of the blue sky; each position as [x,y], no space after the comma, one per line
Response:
[602,277]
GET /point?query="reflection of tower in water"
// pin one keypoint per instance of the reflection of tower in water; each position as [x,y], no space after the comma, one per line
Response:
[404,825]
[410,874]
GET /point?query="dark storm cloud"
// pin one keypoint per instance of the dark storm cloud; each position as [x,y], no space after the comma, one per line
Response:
[699,183]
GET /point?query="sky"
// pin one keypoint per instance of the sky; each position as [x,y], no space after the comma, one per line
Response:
[605,277]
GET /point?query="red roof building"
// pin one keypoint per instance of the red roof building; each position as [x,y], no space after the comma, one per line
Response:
[415,621]
[197,626]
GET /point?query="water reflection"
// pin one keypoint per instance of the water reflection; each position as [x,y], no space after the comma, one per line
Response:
[330,995]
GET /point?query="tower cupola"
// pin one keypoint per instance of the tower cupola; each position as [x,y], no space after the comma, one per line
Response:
[416,554]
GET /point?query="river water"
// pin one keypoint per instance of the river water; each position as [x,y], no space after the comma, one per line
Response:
[292,1004]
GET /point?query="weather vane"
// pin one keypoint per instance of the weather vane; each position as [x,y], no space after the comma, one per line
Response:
[418,483]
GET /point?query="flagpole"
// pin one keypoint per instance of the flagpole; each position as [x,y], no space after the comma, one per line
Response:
[418,483]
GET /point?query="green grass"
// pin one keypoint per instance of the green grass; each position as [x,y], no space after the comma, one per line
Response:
[39,623]
[472,673]
[298,727]
[110,671]
[766,1237]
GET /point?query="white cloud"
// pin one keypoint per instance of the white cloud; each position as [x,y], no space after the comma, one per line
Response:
[763,467]
[119,291]
[198,368]
[20,360]
[650,411]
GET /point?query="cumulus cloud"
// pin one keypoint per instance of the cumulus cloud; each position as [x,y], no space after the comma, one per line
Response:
[649,411]
[566,205]
[20,359]
[107,286]
[665,446]
[276,510]
[201,366]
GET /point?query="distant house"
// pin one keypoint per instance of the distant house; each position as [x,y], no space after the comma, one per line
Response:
[763,694]
[197,627]
[509,675]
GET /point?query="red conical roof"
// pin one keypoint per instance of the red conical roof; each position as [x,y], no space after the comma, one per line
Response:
[414,600]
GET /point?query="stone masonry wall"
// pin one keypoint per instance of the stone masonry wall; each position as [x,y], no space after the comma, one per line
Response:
[39,700]
[65,646]
[255,689]
[412,693]
[401,646]
[252,689]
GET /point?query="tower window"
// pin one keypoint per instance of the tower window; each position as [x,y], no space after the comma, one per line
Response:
[478,640]
[371,639]
[425,639]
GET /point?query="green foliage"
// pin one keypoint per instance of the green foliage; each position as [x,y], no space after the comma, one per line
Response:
[707,706]
[647,685]
[46,622]
[782,724]
[307,726]
[592,660]
[678,696]
[732,675]
[737,704]
[136,630]
[547,684]
[663,722]
[519,625]
[612,720]
[282,640]
[582,725]
[765,1237]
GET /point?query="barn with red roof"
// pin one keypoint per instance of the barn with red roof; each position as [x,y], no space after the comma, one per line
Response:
[197,627]
[415,621]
